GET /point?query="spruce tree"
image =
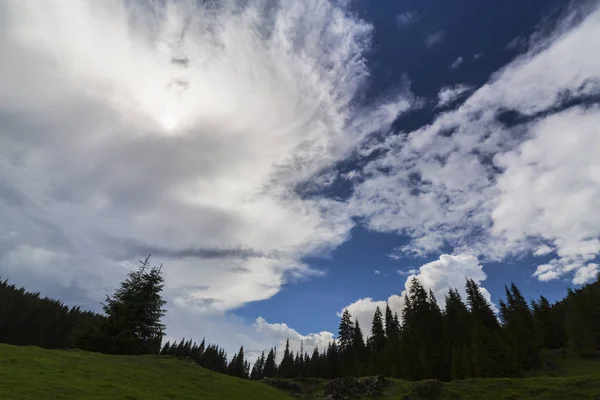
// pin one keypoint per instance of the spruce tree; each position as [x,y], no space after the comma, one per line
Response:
[456,336]
[519,330]
[377,330]
[166,348]
[488,352]
[346,331]
[258,367]
[286,367]
[270,368]
[314,369]
[134,312]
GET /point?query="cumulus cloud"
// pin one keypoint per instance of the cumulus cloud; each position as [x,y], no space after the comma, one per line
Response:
[182,131]
[439,276]
[450,94]
[278,333]
[510,170]
[550,188]
[434,38]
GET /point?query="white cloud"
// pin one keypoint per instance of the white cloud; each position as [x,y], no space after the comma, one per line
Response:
[407,273]
[406,19]
[280,332]
[181,131]
[450,94]
[550,188]
[496,184]
[457,63]
[439,276]
[586,274]
[434,38]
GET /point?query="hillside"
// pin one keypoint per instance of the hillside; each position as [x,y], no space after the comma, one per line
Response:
[34,373]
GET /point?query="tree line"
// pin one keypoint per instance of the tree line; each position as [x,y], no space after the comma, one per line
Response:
[464,338]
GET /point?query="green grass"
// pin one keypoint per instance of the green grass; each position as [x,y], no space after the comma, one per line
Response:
[562,388]
[34,373]
[559,363]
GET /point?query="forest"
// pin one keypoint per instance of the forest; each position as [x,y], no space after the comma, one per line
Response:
[458,338]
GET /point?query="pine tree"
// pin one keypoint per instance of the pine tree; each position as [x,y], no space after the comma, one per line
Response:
[390,326]
[346,331]
[456,335]
[239,365]
[314,369]
[166,348]
[333,361]
[286,367]
[270,368]
[258,368]
[520,333]
[134,312]
[377,330]
[487,345]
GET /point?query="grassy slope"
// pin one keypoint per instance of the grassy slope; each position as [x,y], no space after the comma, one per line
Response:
[562,388]
[34,373]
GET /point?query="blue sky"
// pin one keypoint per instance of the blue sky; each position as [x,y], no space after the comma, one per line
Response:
[287,160]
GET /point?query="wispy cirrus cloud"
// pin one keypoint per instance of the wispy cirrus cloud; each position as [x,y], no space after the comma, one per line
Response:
[180,130]
[407,19]
[450,94]
[434,38]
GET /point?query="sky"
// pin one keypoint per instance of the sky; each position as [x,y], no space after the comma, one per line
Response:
[285,161]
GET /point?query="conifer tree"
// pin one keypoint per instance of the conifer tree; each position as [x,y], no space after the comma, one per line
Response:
[487,346]
[377,331]
[270,368]
[258,368]
[315,364]
[346,331]
[166,348]
[286,367]
[519,327]
[359,351]
[134,312]
[456,336]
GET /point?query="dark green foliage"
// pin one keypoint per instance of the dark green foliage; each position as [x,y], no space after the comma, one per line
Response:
[258,368]
[422,334]
[359,351]
[519,331]
[377,340]
[346,332]
[460,341]
[238,366]
[286,368]
[134,312]
[26,318]
[270,368]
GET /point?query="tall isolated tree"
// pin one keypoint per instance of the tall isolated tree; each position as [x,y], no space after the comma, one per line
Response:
[134,312]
